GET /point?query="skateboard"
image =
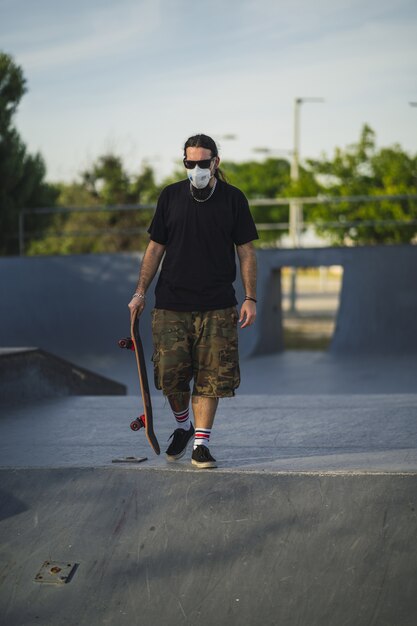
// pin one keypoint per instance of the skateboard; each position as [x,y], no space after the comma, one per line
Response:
[145,421]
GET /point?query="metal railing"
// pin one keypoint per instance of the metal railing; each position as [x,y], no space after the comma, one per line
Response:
[261,202]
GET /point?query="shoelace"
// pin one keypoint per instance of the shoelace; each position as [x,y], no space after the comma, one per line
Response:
[175,432]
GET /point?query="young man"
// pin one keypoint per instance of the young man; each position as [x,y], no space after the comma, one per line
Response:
[198,224]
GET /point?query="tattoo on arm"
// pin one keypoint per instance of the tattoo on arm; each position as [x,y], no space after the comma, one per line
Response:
[149,267]
[247,259]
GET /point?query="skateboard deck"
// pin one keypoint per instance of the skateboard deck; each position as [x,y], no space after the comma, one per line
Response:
[134,343]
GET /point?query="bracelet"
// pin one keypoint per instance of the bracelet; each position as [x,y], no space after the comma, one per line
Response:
[249,298]
[139,295]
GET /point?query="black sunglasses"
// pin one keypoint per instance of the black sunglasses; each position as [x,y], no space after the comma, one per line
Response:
[204,164]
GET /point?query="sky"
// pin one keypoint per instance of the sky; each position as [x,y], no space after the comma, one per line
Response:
[138,77]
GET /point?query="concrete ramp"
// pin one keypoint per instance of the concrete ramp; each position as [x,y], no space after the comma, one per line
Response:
[76,306]
[164,547]
[378,304]
[310,519]
[72,306]
[30,374]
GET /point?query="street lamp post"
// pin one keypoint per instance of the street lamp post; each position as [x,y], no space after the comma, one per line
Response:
[296,208]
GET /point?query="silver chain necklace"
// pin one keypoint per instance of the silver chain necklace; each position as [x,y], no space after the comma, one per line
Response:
[209,196]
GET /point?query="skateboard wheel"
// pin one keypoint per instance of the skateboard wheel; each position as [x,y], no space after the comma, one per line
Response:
[126,343]
[138,423]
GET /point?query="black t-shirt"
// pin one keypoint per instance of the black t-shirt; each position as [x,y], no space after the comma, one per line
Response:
[199,266]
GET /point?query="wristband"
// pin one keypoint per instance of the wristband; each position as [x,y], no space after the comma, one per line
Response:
[139,295]
[249,298]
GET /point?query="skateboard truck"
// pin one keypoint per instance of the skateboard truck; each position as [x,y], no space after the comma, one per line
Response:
[127,343]
[138,423]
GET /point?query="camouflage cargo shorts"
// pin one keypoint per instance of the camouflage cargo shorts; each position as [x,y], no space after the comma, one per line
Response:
[199,345]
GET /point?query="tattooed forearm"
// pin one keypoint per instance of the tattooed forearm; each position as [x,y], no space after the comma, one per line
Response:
[247,259]
[150,263]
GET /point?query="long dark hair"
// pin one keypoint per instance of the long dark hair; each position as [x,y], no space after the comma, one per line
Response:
[204,141]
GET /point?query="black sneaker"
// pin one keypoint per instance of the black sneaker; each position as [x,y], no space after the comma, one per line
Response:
[202,458]
[178,446]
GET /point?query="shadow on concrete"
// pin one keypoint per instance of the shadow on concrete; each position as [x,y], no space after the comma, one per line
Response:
[179,548]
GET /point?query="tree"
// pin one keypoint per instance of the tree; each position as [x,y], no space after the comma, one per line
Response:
[21,174]
[270,179]
[361,169]
[105,184]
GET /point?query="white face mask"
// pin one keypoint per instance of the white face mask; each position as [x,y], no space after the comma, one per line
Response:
[199,177]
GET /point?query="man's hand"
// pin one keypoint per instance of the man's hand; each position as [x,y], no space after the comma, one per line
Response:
[247,313]
[136,306]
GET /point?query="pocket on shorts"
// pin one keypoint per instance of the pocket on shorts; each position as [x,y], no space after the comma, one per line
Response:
[171,357]
[170,340]
[217,355]
[229,371]
[156,370]
[166,330]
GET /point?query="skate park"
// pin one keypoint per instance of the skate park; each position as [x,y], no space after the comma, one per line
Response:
[310,517]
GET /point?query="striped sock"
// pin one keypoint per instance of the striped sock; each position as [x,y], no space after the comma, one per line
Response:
[202,437]
[183,419]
